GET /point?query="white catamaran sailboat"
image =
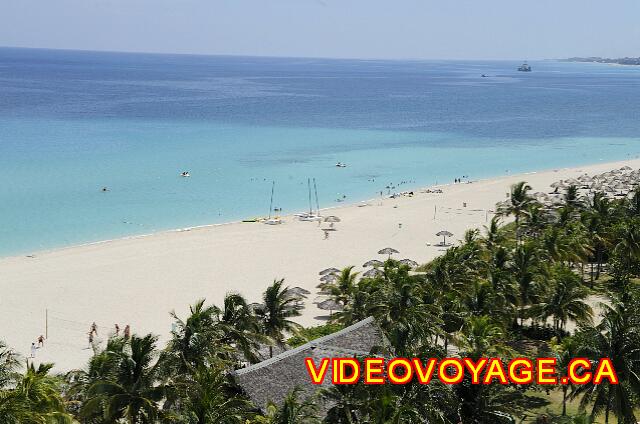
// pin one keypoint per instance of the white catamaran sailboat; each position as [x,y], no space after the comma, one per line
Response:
[275,220]
[311,215]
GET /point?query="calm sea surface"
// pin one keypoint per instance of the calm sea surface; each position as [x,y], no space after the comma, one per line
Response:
[74,122]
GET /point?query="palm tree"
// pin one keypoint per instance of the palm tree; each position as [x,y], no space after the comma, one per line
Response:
[397,304]
[293,410]
[617,337]
[207,396]
[564,352]
[524,268]
[9,364]
[237,326]
[480,336]
[571,197]
[596,221]
[192,339]
[133,392]
[627,251]
[277,307]
[34,398]
[344,287]
[518,202]
[566,300]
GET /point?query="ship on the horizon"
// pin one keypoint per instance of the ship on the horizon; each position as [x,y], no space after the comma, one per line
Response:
[524,67]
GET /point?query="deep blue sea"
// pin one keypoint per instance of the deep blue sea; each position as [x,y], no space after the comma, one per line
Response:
[74,122]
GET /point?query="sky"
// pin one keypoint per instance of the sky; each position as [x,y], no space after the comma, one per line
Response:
[387,29]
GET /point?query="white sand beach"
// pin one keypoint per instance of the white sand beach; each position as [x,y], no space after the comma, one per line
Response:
[139,280]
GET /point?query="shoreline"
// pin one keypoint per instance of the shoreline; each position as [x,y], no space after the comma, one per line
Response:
[35,253]
[139,280]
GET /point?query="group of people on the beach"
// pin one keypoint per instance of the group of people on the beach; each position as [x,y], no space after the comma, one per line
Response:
[93,331]
[40,344]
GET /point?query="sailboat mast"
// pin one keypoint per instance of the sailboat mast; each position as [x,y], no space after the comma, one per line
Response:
[309,190]
[315,187]
[273,186]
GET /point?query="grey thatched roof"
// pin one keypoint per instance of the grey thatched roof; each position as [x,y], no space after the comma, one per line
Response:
[272,379]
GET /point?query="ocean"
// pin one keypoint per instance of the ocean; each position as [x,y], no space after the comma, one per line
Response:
[74,122]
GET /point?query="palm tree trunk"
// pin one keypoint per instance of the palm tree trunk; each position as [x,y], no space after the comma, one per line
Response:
[564,400]
[599,261]
[270,351]
[606,413]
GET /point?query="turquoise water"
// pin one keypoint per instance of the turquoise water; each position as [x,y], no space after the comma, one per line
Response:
[74,122]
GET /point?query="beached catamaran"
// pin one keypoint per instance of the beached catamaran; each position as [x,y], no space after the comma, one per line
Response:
[311,215]
[275,220]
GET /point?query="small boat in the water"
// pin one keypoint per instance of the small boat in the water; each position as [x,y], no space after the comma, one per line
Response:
[341,165]
[185,174]
[524,67]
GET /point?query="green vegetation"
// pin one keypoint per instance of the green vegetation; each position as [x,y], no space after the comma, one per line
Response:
[311,333]
[527,288]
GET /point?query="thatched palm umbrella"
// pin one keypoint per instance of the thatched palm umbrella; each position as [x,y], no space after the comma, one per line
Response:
[331,219]
[387,251]
[298,291]
[444,234]
[330,305]
[329,278]
[329,271]
[373,262]
[410,263]
[619,186]
[372,273]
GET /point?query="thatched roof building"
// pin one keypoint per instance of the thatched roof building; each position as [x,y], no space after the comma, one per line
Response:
[272,379]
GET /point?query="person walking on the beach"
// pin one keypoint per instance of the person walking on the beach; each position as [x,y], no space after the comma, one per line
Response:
[91,339]
[127,332]
[94,328]
[41,341]
[117,330]
[33,350]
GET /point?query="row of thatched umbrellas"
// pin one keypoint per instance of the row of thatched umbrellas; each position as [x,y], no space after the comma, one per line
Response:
[617,182]
[330,275]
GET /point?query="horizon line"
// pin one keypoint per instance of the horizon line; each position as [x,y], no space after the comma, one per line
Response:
[266,56]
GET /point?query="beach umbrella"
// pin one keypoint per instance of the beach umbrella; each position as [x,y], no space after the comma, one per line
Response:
[444,234]
[373,263]
[387,251]
[329,271]
[373,272]
[298,291]
[409,262]
[330,305]
[619,186]
[626,168]
[572,181]
[320,298]
[329,278]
